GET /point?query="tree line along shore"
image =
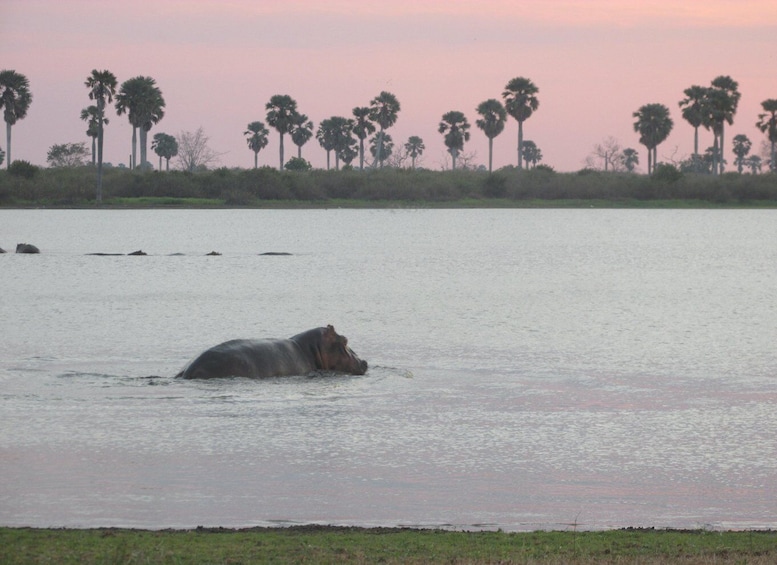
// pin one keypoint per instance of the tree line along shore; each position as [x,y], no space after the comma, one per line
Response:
[30,186]
[329,544]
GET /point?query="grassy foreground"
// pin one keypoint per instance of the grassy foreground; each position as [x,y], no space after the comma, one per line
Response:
[326,544]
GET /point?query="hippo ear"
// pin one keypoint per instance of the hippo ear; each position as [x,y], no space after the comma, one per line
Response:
[329,333]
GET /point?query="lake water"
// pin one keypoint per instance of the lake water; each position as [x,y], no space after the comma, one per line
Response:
[528,369]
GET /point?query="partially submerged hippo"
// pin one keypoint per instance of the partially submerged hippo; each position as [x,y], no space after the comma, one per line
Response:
[26,248]
[319,349]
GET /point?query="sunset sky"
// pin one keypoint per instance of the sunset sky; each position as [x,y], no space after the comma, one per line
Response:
[219,62]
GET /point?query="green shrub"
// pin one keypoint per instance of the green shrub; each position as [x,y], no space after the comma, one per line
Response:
[666,173]
[297,164]
[23,169]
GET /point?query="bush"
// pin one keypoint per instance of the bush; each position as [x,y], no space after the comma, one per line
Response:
[22,169]
[495,186]
[666,173]
[297,164]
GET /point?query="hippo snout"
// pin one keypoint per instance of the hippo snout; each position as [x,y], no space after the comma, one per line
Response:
[363,365]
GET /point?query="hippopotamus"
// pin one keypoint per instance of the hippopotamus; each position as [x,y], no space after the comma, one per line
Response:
[319,349]
[26,248]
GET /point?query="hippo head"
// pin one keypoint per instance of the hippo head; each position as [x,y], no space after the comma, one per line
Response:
[334,354]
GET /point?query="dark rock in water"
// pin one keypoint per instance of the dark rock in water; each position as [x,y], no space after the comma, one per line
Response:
[26,248]
[275,253]
[106,254]
[138,252]
[2,250]
[176,254]
[213,253]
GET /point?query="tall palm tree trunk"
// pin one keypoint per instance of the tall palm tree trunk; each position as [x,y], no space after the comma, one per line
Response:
[715,155]
[134,163]
[361,154]
[100,158]
[520,145]
[490,152]
[94,150]
[379,152]
[696,141]
[281,150]
[721,166]
[650,160]
[143,147]
[8,145]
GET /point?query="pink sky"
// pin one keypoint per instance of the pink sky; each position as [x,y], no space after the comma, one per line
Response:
[218,63]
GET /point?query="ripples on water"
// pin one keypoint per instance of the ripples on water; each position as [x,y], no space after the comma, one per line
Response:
[529,369]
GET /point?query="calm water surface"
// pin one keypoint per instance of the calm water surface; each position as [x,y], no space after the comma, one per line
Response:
[528,369]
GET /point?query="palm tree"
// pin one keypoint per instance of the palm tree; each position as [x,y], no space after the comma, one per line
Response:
[348,152]
[492,122]
[630,159]
[362,127]
[142,101]
[415,148]
[386,148]
[531,153]
[102,89]
[281,113]
[723,100]
[741,145]
[89,115]
[301,132]
[521,102]
[15,99]
[326,137]
[754,162]
[694,107]
[767,123]
[455,126]
[334,134]
[166,146]
[653,126]
[257,139]
[383,111]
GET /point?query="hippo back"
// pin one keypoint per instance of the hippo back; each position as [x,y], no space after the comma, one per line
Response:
[316,349]
[251,358]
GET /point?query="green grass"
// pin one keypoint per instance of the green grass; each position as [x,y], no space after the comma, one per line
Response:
[321,545]
[162,202]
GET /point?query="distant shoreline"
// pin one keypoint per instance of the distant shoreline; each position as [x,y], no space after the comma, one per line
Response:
[267,188]
[336,544]
[168,203]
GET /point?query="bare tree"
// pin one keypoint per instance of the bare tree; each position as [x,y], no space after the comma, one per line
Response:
[466,161]
[399,158]
[606,156]
[194,152]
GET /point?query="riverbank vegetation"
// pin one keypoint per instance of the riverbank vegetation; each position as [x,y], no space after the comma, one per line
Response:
[321,545]
[25,185]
